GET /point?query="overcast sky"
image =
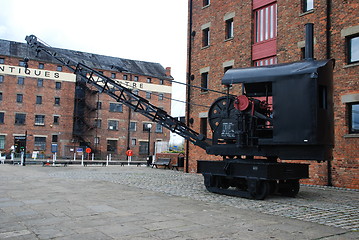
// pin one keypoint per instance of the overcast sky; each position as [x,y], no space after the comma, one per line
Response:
[147,30]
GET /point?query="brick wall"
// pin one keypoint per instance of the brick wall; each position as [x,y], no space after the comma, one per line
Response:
[291,19]
[65,110]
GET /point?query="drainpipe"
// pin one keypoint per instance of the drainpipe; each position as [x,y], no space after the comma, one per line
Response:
[328,56]
[189,59]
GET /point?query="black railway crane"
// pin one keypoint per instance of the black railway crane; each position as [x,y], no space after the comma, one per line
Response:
[284,113]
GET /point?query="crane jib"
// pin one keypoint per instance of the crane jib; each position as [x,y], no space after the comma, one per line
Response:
[120,93]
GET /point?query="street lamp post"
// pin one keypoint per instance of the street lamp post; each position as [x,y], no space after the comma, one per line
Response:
[24,159]
[149,159]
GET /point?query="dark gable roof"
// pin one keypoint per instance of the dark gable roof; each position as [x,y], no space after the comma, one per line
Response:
[150,69]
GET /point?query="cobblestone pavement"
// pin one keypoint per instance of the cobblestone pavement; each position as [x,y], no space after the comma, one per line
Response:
[324,205]
[132,202]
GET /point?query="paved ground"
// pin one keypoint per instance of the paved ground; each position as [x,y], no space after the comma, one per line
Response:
[144,203]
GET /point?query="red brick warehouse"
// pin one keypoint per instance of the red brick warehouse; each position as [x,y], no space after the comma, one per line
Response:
[45,101]
[235,34]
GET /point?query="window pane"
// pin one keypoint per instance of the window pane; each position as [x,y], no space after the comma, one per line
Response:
[355,118]
[143,147]
[204,82]
[159,128]
[112,124]
[205,37]
[1,78]
[19,98]
[56,119]
[40,82]
[20,80]
[2,116]
[39,119]
[354,49]
[58,85]
[111,145]
[2,141]
[20,118]
[203,126]
[115,107]
[40,143]
[266,23]
[229,28]
[148,95]
[55,138]
[133,126]
[38,99]
[98,123]
[308,5]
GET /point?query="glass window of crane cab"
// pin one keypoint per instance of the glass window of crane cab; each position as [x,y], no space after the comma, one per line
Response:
[354,117]
[353,47]
[308,5]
